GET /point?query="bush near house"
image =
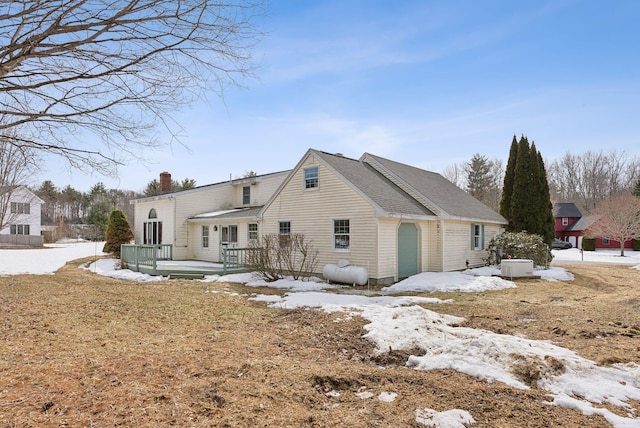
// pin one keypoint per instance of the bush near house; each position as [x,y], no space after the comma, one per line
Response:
[636,245]
[280,256]
[519,245]
[588,244]
[118,233]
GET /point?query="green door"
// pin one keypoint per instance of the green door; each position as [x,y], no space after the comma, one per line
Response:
[407,250]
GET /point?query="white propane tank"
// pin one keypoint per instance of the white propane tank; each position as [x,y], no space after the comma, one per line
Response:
[344,273]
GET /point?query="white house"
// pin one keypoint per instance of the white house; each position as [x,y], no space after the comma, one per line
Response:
[20,211]
[393,219]
[200,221]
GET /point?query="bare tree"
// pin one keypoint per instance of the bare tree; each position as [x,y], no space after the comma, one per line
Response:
[17,164]
[619,219]
[456,174]
[591,177]
[114,69]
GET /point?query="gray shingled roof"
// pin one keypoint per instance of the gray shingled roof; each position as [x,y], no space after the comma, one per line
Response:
[374,186]
[566,209]
[584,223]
[249,213]
[442,193]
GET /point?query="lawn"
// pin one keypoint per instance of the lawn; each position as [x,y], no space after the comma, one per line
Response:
[80,349]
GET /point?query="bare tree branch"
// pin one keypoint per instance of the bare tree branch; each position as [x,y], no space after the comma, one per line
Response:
[115,69]
[619,219]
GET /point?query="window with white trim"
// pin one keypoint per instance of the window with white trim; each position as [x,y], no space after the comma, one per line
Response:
[477,237]
[565,221]
[20,229]
[311,178]
[20,208]
[246,195]
[253,231]
[152,229]
[341,235]
[205,236]
[284,230]
[606,241]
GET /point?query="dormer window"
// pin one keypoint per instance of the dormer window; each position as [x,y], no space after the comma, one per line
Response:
[246,195]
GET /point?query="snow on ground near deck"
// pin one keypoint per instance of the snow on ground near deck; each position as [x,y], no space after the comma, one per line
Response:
[398,322]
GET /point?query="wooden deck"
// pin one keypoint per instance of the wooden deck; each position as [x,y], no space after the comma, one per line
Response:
[158,260]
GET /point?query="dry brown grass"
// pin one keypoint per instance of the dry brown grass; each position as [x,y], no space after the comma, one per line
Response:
[80,350]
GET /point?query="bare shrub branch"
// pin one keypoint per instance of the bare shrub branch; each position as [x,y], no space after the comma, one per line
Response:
[279,258]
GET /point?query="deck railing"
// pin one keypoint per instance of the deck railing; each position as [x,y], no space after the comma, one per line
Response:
[133,256]
[236,258]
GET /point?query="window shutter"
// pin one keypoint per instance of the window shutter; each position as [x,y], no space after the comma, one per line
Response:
[482,236]
[472,237]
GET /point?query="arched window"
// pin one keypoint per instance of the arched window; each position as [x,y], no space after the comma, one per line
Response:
[152,230]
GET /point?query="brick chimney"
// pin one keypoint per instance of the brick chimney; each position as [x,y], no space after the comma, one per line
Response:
[165,182]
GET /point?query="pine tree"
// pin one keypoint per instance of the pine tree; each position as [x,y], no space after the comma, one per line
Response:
[636,188]
[520,214]
[547,228]
[507,188]
[118,233]
[530,202]
[479,179]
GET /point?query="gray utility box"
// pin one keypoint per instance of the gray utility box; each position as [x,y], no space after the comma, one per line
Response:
[516,268]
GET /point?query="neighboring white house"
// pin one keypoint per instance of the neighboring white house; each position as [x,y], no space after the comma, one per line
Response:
[393,219]
[21,214]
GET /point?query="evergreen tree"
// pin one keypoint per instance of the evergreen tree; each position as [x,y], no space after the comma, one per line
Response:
[507,188]
[521,215]
[479,180]
[98,217]
[118,233]
[547,228]
[636,188]
[529,201]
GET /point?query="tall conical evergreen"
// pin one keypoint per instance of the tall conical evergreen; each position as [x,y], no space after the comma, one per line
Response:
[526,201]
[507,188]
[547,230]
[522,186]
[118,232]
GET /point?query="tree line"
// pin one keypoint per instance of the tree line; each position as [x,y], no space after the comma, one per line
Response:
[72,210]
[585,179]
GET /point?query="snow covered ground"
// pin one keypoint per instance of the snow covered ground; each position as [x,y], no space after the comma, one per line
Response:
[399,322]
[47,260]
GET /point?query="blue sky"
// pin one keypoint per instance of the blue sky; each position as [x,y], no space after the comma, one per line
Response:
[428,83]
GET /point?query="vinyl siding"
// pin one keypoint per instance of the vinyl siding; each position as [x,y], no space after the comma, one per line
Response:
[184,236]
[165,214]
[33,219]
[312,212]
[457,248]
[213,253]
[388,248]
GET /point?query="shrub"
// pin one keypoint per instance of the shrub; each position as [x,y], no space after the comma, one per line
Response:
[520,245]
[588,244]
[277,256]
[118,233]
[636,245]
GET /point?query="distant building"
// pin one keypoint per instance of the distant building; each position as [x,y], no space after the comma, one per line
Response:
[22,217]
